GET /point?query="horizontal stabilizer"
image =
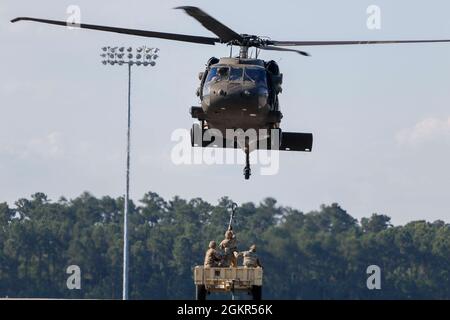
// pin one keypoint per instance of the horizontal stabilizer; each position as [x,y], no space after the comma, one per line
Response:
[293,141]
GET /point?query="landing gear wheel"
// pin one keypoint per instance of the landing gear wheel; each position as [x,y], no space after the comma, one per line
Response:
[280,138]
[196,135]
[280,132]
[200,292]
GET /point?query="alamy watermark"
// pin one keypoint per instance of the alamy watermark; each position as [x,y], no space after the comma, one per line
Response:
[374,280]
[212,147]
[74,280]
[374,17]
[73,20]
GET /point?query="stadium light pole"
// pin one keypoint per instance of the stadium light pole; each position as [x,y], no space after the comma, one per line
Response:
[141,56]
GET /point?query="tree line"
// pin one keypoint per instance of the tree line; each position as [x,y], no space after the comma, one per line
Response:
[322,254]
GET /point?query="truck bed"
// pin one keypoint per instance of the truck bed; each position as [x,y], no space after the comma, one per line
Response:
[228,279]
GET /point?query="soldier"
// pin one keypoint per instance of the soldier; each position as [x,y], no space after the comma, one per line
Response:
[250,258]
[229,246]
[212,257]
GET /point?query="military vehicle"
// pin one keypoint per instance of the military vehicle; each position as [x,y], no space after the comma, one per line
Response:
[233,280]
[237,92]
[228,280]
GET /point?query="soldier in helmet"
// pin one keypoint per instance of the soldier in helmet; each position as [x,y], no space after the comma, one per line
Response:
[229,247]
[212,257]
[250,258]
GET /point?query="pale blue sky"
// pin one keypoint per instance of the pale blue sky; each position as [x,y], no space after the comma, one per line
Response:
[380,114]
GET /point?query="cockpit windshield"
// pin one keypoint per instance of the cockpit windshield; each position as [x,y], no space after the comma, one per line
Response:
[234,74]
[256,75]
[218,74]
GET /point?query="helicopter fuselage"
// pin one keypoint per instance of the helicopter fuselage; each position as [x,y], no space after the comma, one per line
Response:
[239,93]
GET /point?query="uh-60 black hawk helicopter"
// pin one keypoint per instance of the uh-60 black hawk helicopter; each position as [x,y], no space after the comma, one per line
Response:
[237,92]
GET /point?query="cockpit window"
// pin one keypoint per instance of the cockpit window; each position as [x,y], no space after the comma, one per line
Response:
[218,74]
[236,74]
[255,75]
[211,74]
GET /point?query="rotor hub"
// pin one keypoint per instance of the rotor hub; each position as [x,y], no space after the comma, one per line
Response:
[249,41]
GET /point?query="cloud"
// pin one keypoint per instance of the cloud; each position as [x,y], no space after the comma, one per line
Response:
[46,147]
[49,146]
[426,130]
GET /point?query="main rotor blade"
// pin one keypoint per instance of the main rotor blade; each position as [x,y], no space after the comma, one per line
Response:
[340,43]
[142,33]
[303,53]
[225,34]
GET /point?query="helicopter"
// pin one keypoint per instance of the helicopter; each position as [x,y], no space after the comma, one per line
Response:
[237,93]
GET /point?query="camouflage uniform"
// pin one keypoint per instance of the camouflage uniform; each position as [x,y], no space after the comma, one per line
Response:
[229,246]
[212,256]
[250,258]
